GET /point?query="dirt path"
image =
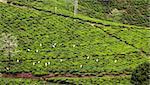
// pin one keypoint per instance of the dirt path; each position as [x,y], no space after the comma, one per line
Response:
[48,81]
[53,75]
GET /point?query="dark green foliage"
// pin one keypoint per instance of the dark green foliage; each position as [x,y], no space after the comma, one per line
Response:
[134,12]
[141,76]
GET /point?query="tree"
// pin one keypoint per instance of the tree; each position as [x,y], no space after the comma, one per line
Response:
[141,75]
[75,7]
[8,44]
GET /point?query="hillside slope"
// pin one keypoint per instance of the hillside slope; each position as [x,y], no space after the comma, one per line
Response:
[51,43]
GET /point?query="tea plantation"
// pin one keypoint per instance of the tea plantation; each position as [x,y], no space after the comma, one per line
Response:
[52,40]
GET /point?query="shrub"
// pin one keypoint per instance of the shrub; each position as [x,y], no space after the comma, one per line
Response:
[141,75]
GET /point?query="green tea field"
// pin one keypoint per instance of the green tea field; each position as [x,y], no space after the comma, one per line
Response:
[42,42]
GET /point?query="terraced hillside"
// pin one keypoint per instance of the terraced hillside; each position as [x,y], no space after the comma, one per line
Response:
[56,44]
